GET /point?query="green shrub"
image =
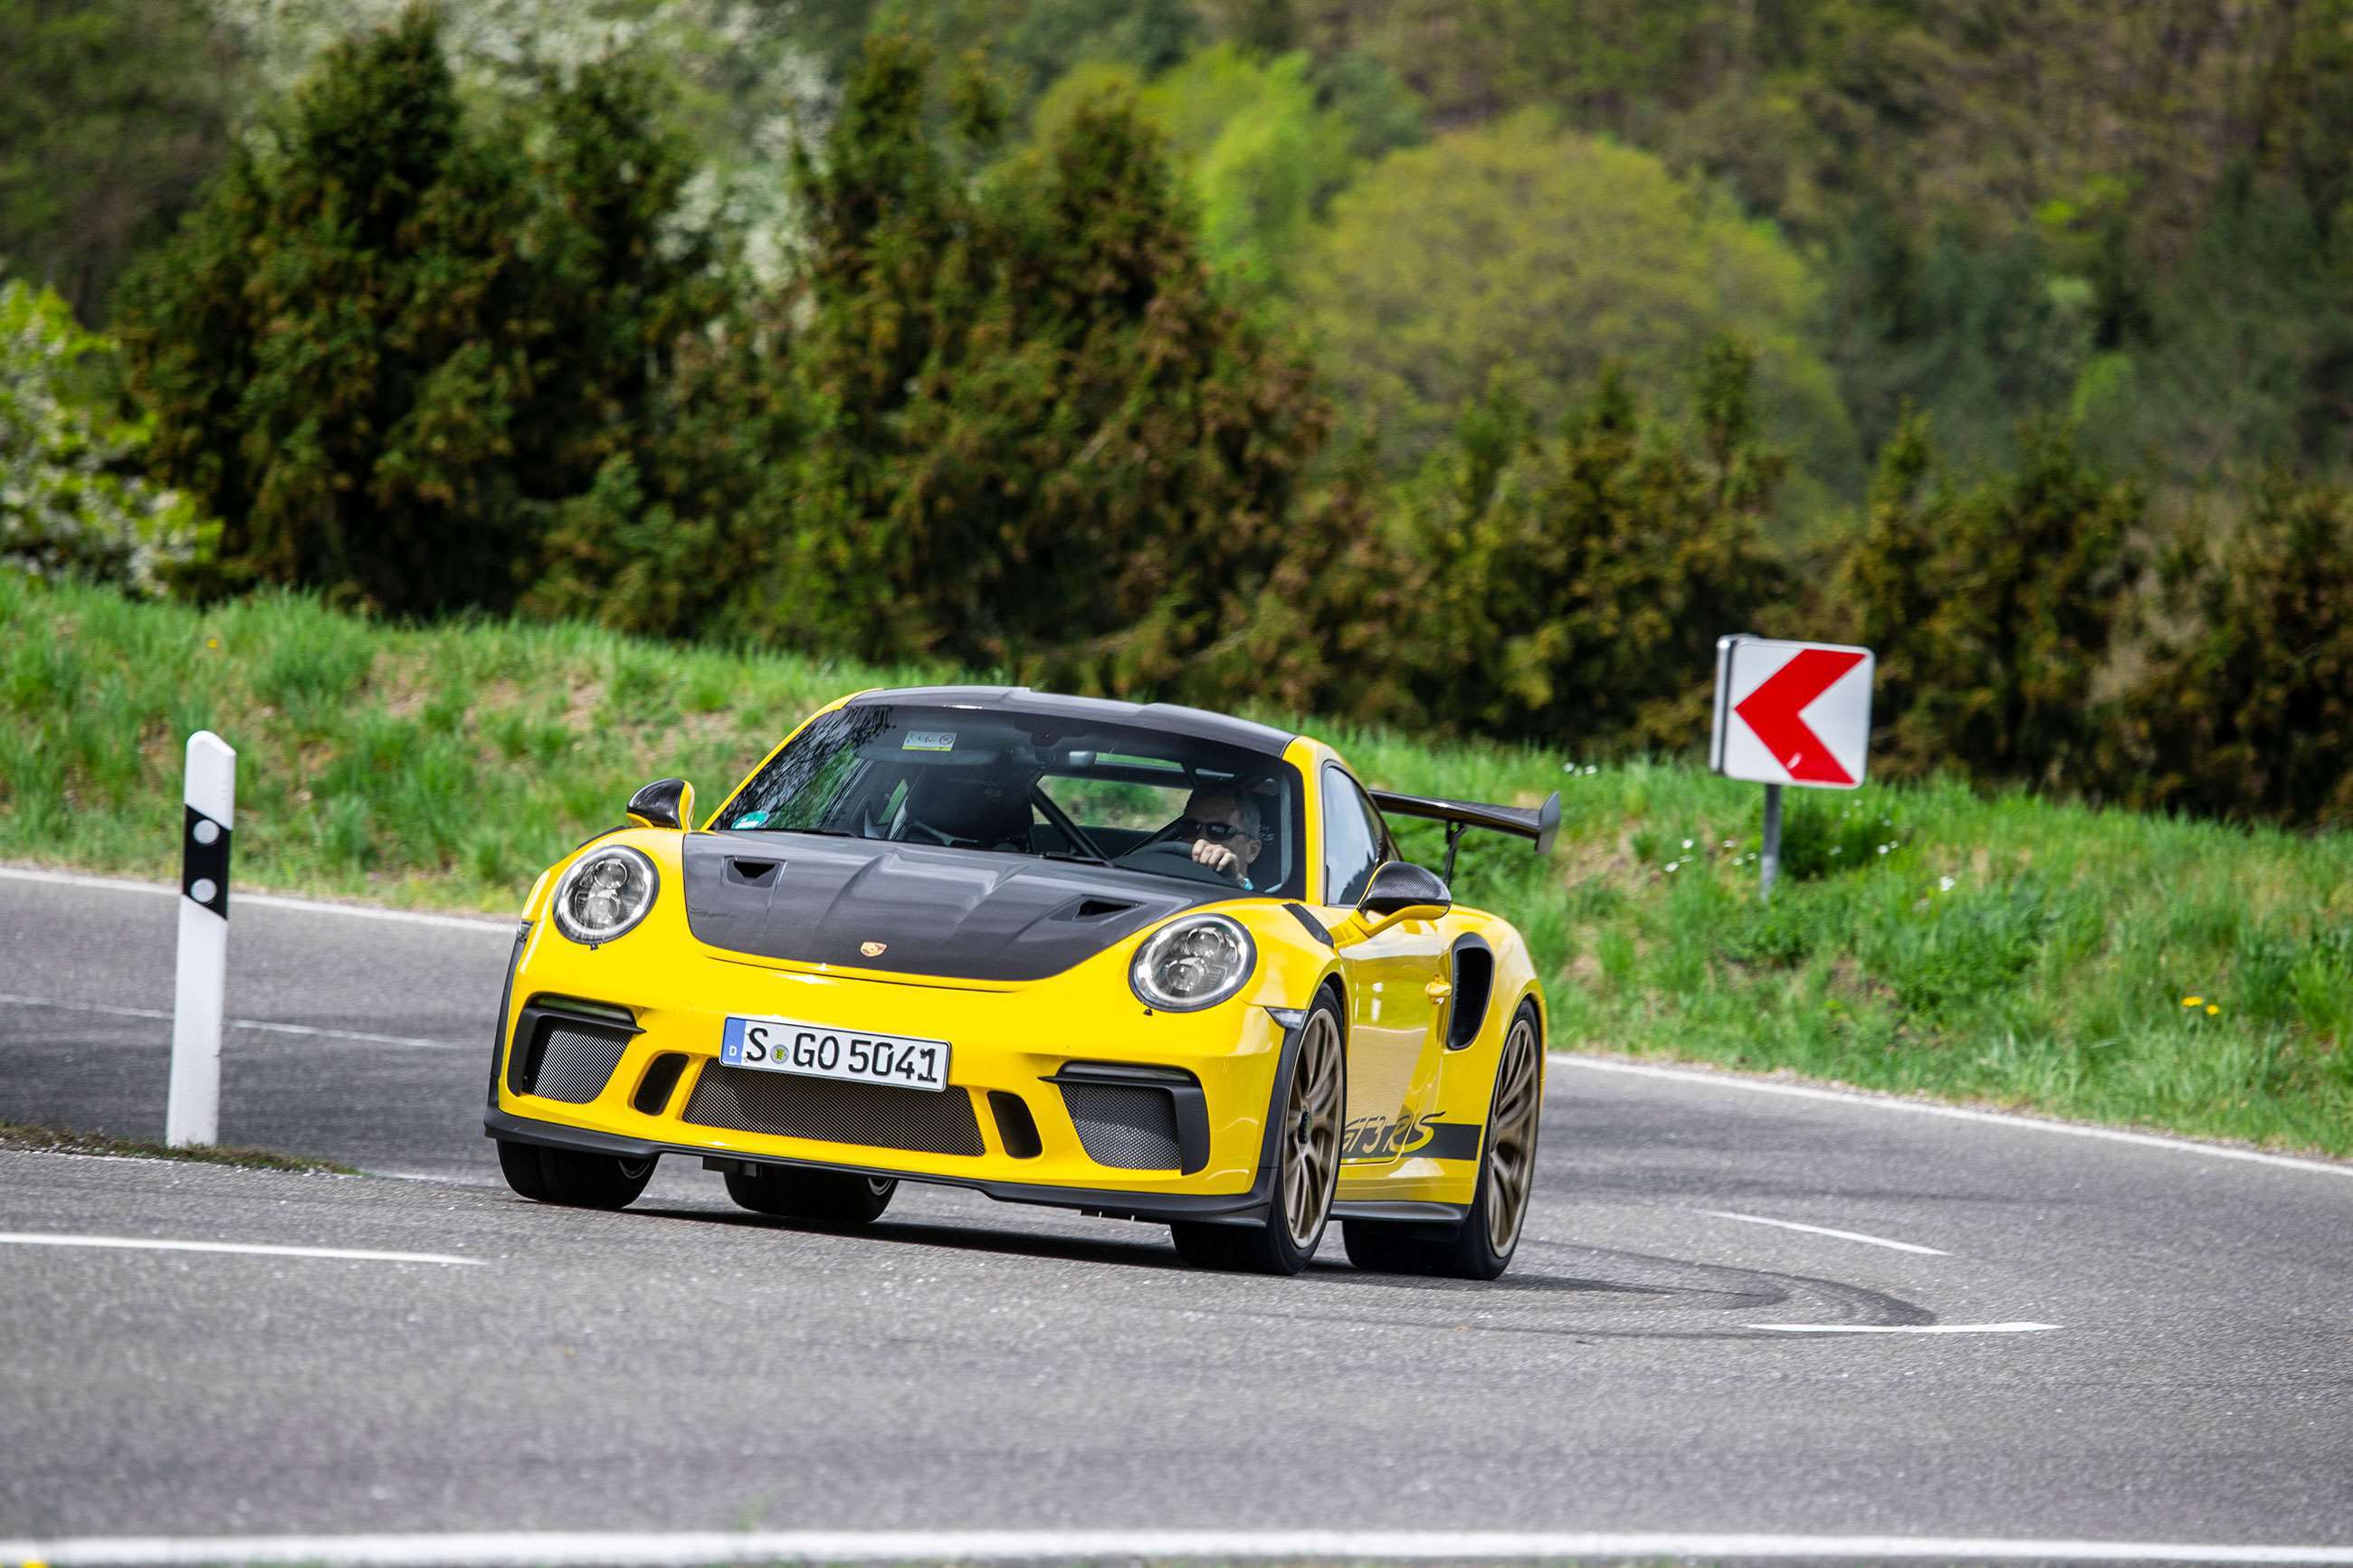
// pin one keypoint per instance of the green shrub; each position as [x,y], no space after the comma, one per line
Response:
[1993,609]
[2248,711]
[1574,588]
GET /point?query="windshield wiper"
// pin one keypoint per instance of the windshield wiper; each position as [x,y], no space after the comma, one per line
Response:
[1073,856]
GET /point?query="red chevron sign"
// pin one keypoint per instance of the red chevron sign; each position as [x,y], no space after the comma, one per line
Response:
[1790,713]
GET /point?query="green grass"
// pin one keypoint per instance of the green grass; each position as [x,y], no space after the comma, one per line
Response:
[1998,949]
[17,1136]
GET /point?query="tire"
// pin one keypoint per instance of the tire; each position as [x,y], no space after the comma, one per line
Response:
[1481,1247]
[574,1179]
[1315,1097]
[820,1197]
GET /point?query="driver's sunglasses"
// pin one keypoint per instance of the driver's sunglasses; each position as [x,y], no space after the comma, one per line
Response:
[1216,832]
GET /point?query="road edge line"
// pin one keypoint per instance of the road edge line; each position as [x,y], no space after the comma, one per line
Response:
[263,900]
[1716,1077]
[567,1550]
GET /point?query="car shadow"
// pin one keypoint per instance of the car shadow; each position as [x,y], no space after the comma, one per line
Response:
[1151,1250]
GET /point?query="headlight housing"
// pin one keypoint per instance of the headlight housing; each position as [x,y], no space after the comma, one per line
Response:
[604,894]
[1191,964]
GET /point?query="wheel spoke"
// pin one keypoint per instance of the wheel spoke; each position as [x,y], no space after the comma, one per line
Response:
[1511,1137]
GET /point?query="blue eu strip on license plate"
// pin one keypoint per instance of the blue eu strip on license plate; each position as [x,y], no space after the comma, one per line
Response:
[825,1050]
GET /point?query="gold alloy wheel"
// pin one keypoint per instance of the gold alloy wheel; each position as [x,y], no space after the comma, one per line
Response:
[1310,1152]
[1512,1136]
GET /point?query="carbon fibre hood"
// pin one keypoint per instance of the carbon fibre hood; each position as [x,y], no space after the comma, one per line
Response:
[957,914]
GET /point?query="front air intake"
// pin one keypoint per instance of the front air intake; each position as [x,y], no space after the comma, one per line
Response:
[571,1059]
[653,1090]
[1016,1128]
[785,1105]
[1131,1126]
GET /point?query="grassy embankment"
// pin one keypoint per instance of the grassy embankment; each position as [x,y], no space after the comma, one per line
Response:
[1929,938]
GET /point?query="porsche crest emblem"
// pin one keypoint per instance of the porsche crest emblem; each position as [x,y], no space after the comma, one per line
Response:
[873,949]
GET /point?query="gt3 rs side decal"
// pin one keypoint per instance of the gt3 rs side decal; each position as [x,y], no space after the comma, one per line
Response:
[1369,1139]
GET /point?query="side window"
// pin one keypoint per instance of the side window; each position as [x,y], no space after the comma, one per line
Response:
[1352,839]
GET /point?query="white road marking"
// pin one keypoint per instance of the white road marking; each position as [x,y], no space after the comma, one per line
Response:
[1825,1230]
[495,1550]
[260,1249]
[1951,1113]
[1903,1328]
[240,1024]
[484,923]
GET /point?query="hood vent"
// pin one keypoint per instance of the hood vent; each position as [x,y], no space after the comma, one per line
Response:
[936,912]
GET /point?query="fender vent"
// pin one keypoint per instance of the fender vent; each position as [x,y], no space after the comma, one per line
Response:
[1475,985]
[784,1105]
[752,873]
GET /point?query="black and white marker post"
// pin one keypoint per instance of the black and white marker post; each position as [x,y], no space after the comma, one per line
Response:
[193,1113]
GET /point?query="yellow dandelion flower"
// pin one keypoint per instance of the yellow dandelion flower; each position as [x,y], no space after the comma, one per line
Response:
[2193,1001]
[2212,1008]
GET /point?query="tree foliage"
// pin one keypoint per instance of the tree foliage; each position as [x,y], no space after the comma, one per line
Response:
[114,113]
[1994,608]
[1573,588]
[389,341]
[2244,708]
[1548,253]
[73,501]
[1041,432]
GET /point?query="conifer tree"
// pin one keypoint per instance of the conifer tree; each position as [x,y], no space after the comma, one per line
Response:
[385,347]
[1042,436]
[2246,709]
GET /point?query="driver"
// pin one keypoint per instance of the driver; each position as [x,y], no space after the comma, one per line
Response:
[1225,830]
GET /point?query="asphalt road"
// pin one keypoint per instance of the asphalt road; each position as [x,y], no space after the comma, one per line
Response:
[684,1366]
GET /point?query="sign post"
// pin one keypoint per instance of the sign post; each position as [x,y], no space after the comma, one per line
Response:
[1789,713]
[192,1114]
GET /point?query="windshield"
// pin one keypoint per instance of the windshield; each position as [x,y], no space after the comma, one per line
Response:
[1028,785]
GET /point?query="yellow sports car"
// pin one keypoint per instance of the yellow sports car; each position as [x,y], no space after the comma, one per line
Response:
[1141,961]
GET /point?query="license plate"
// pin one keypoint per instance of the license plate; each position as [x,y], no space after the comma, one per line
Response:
[822,1050]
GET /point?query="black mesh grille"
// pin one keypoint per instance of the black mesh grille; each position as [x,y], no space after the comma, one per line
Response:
[785,1105]
[1134,1129]
[575,1060]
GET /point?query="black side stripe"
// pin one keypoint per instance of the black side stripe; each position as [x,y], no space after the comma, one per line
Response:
[1314,927]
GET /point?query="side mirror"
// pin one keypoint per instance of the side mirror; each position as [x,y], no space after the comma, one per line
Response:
[665,803]
[1401,890]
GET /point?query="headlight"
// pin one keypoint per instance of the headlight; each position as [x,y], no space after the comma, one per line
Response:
[1191,964]
[603,894]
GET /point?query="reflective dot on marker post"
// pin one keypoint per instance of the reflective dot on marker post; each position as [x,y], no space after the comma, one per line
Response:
[206,830]
[204,891]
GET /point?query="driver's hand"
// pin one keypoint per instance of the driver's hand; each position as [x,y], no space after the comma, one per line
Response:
[1218,858]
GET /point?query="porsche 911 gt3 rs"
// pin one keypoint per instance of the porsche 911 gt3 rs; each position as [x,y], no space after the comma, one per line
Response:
[1141,961]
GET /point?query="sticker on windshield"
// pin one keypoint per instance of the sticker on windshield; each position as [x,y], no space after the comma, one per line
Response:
[929,740]
[751,819]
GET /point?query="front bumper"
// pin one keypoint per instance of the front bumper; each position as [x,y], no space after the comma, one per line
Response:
[633,1070]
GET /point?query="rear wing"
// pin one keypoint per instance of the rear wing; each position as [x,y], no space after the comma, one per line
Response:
[1538,823]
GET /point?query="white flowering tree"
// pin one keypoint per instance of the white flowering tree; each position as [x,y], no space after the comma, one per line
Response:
[747,80]
[72,502]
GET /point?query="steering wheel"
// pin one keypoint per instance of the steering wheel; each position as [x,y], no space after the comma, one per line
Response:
[1178,855]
